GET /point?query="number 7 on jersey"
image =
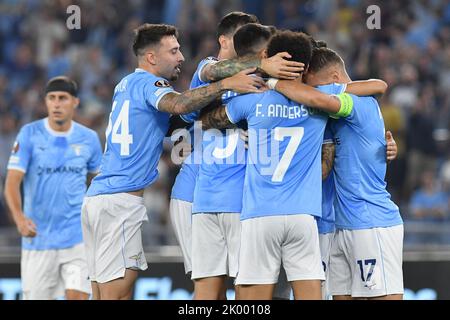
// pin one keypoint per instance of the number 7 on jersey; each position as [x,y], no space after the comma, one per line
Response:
[296,135]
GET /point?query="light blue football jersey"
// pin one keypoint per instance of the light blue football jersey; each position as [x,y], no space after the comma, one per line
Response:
[283,174]
[360,167]
[55,166]
[325,224]
[134,135]
[183,188]
[220,181]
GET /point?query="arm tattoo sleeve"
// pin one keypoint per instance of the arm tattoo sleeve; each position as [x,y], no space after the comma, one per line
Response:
[191,100]
[215,117]
[328,151]
[227,68]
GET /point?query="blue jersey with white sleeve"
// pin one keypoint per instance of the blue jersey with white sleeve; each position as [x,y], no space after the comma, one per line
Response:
[362,200]
[283,174]
[183,188]
[56,165]
[220,181]
[134,135]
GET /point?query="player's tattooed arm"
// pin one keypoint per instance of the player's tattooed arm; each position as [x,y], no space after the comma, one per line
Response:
[215,116]
[328,152]
[195,99]
[227,68]
[276,66]
[191,100]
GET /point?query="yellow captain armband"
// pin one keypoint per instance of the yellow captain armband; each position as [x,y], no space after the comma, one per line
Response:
[346,106]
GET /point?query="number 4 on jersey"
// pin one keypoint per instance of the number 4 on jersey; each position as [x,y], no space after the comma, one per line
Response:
[124,138]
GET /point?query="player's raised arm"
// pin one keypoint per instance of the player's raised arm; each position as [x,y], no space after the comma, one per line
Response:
[198,98]
[215,117]
[307,95]
[276,66]
[369,87]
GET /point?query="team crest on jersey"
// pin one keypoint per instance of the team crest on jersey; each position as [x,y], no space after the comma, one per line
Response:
[15,148]
[162,83]
[76,148]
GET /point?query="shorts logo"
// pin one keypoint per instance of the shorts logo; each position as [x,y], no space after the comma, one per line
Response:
[162,83]
[15,148]
[137,258]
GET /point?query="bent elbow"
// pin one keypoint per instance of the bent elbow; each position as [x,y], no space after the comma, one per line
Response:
[383,86]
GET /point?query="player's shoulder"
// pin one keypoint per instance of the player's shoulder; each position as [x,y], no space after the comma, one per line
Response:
[141,77]
[364,100]
[207,60]
[83,130]
[332,88]
[33,127]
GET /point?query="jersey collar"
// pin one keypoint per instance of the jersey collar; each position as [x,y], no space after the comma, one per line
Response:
[57,133]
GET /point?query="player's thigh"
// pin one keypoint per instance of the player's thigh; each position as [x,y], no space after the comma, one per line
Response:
[209,248]
[260,250]
[210,288]
[40,274]
[301,249]
[119,289]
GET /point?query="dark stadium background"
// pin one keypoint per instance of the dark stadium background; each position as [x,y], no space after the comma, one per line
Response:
[410,51]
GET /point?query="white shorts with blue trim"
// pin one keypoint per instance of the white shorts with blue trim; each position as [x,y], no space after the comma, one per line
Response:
[181,217]
[367,263]
[47,274]
[325,241]
[271,241]
[112,235]
[215,244]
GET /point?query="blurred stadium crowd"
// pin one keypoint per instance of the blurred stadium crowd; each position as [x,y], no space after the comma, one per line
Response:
[411,52]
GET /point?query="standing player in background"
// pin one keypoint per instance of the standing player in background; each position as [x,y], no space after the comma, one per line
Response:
[366,253]
[53,157]
[113,210]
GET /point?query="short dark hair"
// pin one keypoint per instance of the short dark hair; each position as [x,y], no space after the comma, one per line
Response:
[232,21]
[323,57]
[249,38]
[297,44]
[62,83]
[151,34]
